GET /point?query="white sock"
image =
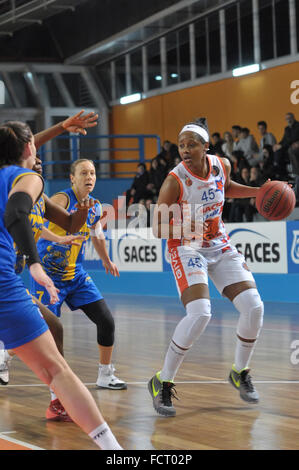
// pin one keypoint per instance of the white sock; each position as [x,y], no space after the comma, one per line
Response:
[105,368]
[173,359]
[53,396]
[104,438]
[243,354]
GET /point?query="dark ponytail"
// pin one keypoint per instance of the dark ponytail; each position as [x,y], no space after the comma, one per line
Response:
[14,135]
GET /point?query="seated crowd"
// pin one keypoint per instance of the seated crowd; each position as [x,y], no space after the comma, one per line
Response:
[251,164]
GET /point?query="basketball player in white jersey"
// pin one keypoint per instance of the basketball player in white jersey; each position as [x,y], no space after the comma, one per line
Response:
[203,179]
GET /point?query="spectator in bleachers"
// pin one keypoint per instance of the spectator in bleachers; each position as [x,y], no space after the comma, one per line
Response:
[138,188]
[169,152]
[236,131]
[238,161]
[283,150]
[177,160]
[228,144]
[248,145]
[238,206]
[157,175]
[267,163]
[255,180]
[216,145]
[267,138]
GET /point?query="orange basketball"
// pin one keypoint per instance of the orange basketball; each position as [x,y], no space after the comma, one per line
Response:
[275,200]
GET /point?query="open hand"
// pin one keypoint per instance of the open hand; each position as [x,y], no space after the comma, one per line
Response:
[79,123]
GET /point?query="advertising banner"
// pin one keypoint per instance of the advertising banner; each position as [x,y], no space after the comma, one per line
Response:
[263,245]
[137,250]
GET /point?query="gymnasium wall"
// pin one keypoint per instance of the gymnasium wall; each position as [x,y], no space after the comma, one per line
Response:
[237,100]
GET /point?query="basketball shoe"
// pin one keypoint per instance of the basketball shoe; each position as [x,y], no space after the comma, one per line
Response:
[162,393]
[107,379]
[242,382]
[56,412]
[5,359]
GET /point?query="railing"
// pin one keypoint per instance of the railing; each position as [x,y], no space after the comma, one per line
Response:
[77,147]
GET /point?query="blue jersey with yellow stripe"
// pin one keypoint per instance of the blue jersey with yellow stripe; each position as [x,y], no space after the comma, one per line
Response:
[9,176]
[64,262]
[36,218]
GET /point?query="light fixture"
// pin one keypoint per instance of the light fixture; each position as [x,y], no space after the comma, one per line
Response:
[130,98]
[246,70]
[2,92]
[174,75]
[158,77]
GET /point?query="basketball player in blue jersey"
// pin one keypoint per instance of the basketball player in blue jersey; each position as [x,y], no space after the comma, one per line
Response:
[22,327]
[204,180]
[64,265]
[76,123]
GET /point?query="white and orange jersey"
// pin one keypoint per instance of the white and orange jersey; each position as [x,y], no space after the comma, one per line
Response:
[203,196]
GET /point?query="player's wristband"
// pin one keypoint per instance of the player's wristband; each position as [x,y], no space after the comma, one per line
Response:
[16,221]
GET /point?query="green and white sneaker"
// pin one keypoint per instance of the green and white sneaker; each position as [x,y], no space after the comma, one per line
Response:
[242,382]
[162,393]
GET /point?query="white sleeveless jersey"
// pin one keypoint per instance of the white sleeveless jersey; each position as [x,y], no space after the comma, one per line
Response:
[203,196]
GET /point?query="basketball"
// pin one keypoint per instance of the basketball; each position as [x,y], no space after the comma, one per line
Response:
[275,200]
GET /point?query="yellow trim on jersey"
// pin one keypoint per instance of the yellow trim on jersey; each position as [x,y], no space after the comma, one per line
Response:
[67,196]
[17,178]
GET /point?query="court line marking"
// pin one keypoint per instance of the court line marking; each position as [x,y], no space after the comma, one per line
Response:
[211,324]
[20,443]
[199,382]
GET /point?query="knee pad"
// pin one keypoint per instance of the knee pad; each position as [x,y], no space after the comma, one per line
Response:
[193,324]
[99,313]
[251,309]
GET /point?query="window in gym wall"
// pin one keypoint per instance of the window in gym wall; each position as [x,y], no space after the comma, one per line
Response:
[201,48]
[282,27]
[22,91]
[136,71]
[268,50]
[184,55]
[172,54]
[154,65]
[233,54]
[120,72]
[247,32]
[214,43]
[7,99]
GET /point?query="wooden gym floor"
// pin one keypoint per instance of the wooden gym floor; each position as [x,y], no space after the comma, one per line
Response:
[210,414]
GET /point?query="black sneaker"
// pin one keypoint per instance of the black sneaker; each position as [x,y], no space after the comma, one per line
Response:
[242,382]
[162,393]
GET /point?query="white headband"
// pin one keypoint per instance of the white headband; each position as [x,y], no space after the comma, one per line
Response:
[198,130]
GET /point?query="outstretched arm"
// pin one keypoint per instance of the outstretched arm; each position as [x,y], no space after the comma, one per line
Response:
[98,239]
[77,123]
[56,212]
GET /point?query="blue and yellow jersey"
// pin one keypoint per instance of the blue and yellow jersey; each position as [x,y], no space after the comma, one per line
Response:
[9,176]
[64,262]
[36,218]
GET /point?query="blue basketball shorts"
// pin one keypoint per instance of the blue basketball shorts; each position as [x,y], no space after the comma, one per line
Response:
[20,318]
[77,292]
